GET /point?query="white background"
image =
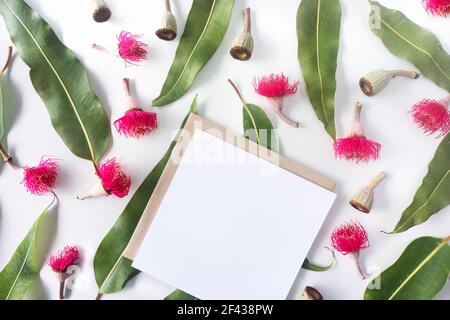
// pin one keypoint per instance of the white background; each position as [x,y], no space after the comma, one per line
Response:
[405,155]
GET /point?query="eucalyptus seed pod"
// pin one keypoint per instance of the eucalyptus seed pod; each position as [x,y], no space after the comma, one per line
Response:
[168,26]
[375,81]
[101,13]
[243,45]
[363,199]
[311,293]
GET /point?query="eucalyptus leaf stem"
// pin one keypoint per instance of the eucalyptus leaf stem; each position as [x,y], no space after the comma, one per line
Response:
[237,92]
[8,60]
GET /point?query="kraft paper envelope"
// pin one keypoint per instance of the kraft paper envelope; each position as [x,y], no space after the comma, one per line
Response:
[229,219]
[235,139]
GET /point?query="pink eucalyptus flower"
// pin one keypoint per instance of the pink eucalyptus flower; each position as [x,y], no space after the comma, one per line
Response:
[41,179]
[350,238]
[437,7]
[131,49]
[356,147]
[112,181]
[275,87]
[136,122]
[60,262]
[432,116]
[64,259]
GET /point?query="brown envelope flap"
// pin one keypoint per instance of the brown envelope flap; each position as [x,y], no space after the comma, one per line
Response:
[196,122]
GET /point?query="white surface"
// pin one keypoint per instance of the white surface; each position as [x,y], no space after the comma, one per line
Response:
[244,239]
[405,155]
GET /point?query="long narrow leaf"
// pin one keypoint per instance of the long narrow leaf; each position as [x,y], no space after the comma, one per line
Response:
[434,193]
[2,106]
[60,80]
[318,31]
[419,274]
[21,271]
[407,40]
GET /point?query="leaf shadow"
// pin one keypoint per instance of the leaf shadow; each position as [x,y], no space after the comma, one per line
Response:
[45,238]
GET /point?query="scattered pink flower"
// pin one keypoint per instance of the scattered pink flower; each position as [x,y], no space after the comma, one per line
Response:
[275,87]
[432,116]
[114,180]
[350,238]
[65,258]
[437,7]
[41,179]
[136,122]
[131,49]
[356,147]
[60,262]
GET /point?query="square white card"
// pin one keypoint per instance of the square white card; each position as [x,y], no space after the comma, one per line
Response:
[232,229]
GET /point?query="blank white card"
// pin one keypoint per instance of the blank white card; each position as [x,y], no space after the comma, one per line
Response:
[232,229]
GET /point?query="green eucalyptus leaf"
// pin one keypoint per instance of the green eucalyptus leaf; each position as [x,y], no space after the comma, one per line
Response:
[2,111]
[180,295]
[308,265]
[419,274]
[205,28]
[318,31]
[112,269]
[407,40]
[21,271]
[433,195]
[258,127]
[61,81]
[2,124]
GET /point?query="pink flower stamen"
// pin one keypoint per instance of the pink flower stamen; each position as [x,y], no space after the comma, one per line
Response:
[136,123]
[65,258]
[275,87]
[131,49]
[356,147]
[41,179]
[437,7]
[114,180]
[432,116]
[350,238]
